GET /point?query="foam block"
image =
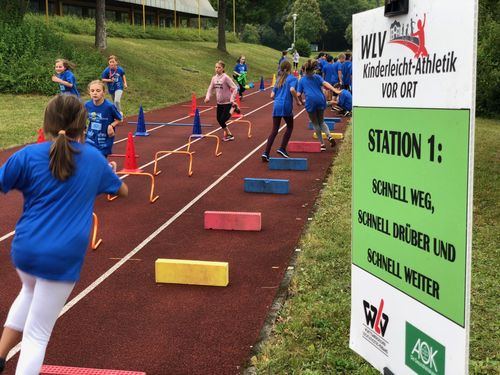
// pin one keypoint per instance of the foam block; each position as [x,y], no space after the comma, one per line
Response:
[265,185]
[65,370]
[298,146]
[331,125]
[193,272]
[334,135]
[227,220]
[288,164]
[332,119]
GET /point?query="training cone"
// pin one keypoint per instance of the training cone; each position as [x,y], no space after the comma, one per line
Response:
[261,88]
[141,125]
[41,136]
[130,158]
[196,123]
[238,104]
[295,74]
[193,105]
[273,82]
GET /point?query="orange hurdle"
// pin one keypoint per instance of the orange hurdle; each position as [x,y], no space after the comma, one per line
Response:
[95,244]
[217,153]
[190,155]
[249,125]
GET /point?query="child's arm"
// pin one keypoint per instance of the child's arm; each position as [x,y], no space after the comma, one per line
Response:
[331,88]
[124,82]
[209,91]
[112,126]
[298,99]
[123,190]
[62,82]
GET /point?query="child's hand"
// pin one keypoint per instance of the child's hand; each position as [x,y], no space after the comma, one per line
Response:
[206,100]
[111,131]
[125,86]
[55,79]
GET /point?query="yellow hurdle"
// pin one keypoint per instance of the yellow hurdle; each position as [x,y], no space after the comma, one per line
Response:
[193,272]
[273,82]
[334,135]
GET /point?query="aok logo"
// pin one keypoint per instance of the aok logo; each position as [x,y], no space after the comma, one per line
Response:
[375,317]
[423,354]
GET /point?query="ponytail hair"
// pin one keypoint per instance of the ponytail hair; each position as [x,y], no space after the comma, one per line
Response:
[68,65]
[285,70]
[64,120]
[310,66]
[223,64]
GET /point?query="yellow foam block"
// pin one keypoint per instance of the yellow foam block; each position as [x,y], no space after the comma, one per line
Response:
[334,135]
[194,272]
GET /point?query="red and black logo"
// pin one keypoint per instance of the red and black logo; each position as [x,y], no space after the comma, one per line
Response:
[409,36]
[375,317]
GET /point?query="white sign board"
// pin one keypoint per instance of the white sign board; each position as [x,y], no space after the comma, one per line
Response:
[413,136]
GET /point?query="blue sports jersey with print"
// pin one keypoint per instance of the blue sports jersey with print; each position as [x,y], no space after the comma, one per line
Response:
[283,98]
[117,76]
[68,76]
[52,234]
[240,68]
[99,118]
[311,87]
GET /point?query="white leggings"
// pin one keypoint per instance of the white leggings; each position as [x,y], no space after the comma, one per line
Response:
[34,312]
[117,98]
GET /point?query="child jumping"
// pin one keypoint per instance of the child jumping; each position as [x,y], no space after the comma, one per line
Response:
[114,76]
[225,92]
[283,94]
[311,84]
[60,181]
[103,117]
[65,78]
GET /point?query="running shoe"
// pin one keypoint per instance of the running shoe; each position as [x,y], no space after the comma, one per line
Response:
[227,138]
[323,148]
[265,157]
[332,141]
[282,152]
[236,108]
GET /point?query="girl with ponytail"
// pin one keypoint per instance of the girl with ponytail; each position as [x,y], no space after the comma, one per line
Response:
[60,180]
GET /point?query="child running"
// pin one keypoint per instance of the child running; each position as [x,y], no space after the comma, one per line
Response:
[283,94]
[65,78]
[311,84]
[240,72]
[225,92]
[103,117]
[60,180]
[114,76]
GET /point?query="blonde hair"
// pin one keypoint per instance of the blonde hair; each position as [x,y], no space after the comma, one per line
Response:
[97,82]
[285,70]
[113,57]
[66,63]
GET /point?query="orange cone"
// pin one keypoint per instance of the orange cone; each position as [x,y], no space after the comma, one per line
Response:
[130,157]
[193,104]
[238,103]
[41,136]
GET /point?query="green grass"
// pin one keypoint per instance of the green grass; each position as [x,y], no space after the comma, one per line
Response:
[311,335]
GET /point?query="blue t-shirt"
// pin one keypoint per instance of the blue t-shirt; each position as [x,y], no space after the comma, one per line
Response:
[240,68]
[68,76]
[346,72]
[345,100]
[321,65]
[99,118]
[311,86]
[283,98]
[283,58]
[117,77]
[329,72]
[336,67]
[53,232]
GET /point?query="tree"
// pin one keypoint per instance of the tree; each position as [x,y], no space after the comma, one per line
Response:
[309,24]
[12,11]
[100,25]
[221,40]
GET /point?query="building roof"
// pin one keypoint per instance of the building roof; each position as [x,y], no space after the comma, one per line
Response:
[184,6]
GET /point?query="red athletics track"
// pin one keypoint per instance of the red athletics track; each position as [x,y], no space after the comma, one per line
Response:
[118,317]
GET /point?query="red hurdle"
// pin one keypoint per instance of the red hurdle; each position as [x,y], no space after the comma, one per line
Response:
[65,370]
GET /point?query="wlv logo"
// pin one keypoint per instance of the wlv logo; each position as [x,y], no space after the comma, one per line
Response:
[375,317]
[407,36]
[423,354]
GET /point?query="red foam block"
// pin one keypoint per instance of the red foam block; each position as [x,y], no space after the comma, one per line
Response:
[299,146]
[64,370]
[227,220]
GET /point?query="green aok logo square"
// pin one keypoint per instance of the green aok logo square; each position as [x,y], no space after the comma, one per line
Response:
[423,354]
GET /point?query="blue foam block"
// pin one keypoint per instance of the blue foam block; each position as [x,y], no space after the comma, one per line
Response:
[289,164]
[331,125]
[266,185]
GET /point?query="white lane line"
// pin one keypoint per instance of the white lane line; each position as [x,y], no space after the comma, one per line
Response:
[7,236]
[151,237]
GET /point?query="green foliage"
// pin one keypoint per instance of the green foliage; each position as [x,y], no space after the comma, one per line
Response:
[250,34]
[348,35]
[309,24]
[303,47]
[12,11]
[269,37]
[27,54]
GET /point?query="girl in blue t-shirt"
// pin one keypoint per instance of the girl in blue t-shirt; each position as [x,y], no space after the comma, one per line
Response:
[311,85]
[283,93]
[343,99]
[240,72]
[65,77]
[59,180]
[114,76]
[103,117]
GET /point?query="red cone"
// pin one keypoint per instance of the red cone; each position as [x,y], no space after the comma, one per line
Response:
[193,104]
[41,136]
[238,103]
[130,157]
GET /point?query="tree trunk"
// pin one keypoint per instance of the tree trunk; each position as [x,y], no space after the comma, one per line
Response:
[100,25]
[221,44]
